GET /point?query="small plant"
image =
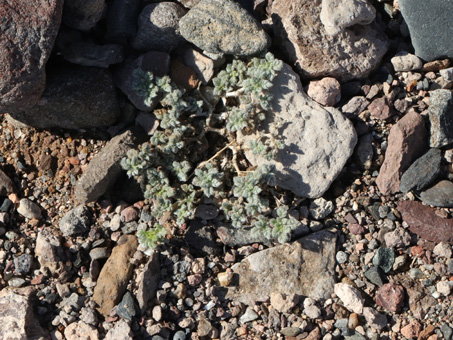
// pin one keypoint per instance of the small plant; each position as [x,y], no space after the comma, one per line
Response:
[175,176]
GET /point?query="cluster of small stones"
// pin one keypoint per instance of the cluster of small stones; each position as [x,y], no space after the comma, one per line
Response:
[71,267]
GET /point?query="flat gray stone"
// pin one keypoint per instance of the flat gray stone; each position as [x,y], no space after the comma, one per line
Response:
[76,221]
[428,22]
[304,267]
[75,98]
[223,27]
[318,141]
[422,172]
[441,118]
[439,195]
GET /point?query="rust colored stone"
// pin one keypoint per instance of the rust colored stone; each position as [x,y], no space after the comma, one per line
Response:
[391,297]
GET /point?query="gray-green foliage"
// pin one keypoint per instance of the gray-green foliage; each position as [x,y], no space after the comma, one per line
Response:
[174,185]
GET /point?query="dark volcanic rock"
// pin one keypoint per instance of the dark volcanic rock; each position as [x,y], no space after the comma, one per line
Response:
[28,30]
[75,98]
[201,239]
[424,222]
[427,21]
[439,195]
[422,172]
[83,14]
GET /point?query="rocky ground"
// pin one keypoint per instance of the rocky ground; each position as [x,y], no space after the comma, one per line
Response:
[372,257]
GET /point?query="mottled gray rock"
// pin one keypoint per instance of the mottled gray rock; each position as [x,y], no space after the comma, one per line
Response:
[376,276]
[126,308]
[158,27]
[91,54]
[76,221]
[304,267]
[320,208]
[157,63]
[29,209]
[403,62]
[431,39]
[441,118]
[147,281]
[447,74]
[422,172]
[83,14]
[439,195]
[104,168]
[17,318]
[318,141]
[398,238]
[223,27]
[355,106]
[336,15]
[75,98]
[375,319]
[239,237]
[28,32]
[22,263]
[384,258]
[353,53]
[122,20]
[49,251]
[120,331]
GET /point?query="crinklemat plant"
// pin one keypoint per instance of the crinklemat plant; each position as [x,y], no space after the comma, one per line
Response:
[176,177]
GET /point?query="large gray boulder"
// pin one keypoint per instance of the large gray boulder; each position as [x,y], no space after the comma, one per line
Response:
[305,267]
[429,22]
[353,52]
[317,141]
[28,30]
[223,27]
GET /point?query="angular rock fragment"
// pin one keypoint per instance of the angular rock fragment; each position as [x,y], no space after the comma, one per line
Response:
[223,27]
[441,118]
[317,141]
[422,172]
[147,281]
[439,195]
[76,221]
[424,222]
[49,251]
[304,267]
[391,297]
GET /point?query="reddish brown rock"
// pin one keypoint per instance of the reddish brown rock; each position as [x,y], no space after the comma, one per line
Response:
[408,140]
[425,334]
[28,30]
[325,91]
[424,222]
[380,108]
[411,330]
[391,297]
[115,275]
[356,229]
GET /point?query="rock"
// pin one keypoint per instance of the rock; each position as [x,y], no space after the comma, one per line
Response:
[223,27]
[29,209]
[225,278]
[364,151]
[406,142]
[350,296]
[384,258]
[249,315]
[308,270]
[99,253]
[290,331]
[326,91]
[22,263]
[422,172]
[309,161]
[439,195]
[424,222]
[121,331]
[6,185]
[404,62]
[381,108]
[436,65]
[412,330]
[375,319]
[126,308]
[284,303]
[17,317]
[158,63]
[442,250]
[81,331]
[239,237]
[310,309]
[90,54]
[115,275]
[202,65]
[376,276]
[431,41]
[441,118]
[315,53]
[355,106]
[75,98]
[104,169]
[158,27]
[76,221]
[122,20]
[447,74]
[444,287]
[391,297]
[27,40]
[204,328]
[83,15]
[129,214]
[183,76]
[336,15]
[320,208]
[49,251]
[201,239]
[398,238]
[446,331]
